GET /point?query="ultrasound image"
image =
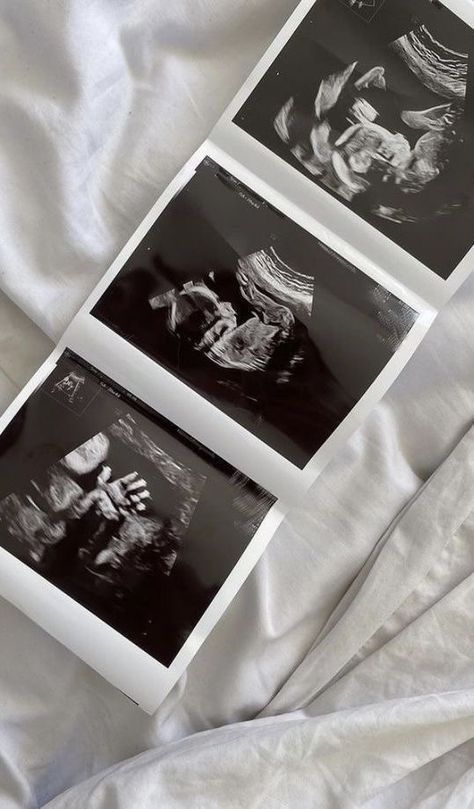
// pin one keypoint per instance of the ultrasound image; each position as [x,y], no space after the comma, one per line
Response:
[381,116]
[118,510]
[254,313]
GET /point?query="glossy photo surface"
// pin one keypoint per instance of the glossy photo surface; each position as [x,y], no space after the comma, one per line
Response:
[115,506]
[372,100]
[255,314]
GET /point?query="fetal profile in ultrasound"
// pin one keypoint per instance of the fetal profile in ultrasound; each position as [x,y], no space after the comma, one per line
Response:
[134,524]
[380,115]
[246,332]
[254,313]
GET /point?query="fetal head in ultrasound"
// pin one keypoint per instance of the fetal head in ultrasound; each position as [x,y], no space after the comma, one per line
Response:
[245,332]
[254,313]
[372,101]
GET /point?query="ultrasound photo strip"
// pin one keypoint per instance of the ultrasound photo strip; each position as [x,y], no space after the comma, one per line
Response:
[240,337]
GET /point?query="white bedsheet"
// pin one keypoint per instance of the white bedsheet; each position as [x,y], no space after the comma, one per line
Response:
[101,103]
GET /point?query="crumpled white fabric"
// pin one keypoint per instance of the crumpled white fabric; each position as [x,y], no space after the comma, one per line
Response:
[101,103]
[364,718]
[363,696]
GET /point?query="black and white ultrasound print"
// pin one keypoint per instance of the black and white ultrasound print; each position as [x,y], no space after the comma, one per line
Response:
[255,314]
[115,508]
[381,115]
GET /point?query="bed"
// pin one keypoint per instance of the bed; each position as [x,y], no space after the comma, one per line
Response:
[343,674]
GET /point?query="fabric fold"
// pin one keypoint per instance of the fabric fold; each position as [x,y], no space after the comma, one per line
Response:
[349,725]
